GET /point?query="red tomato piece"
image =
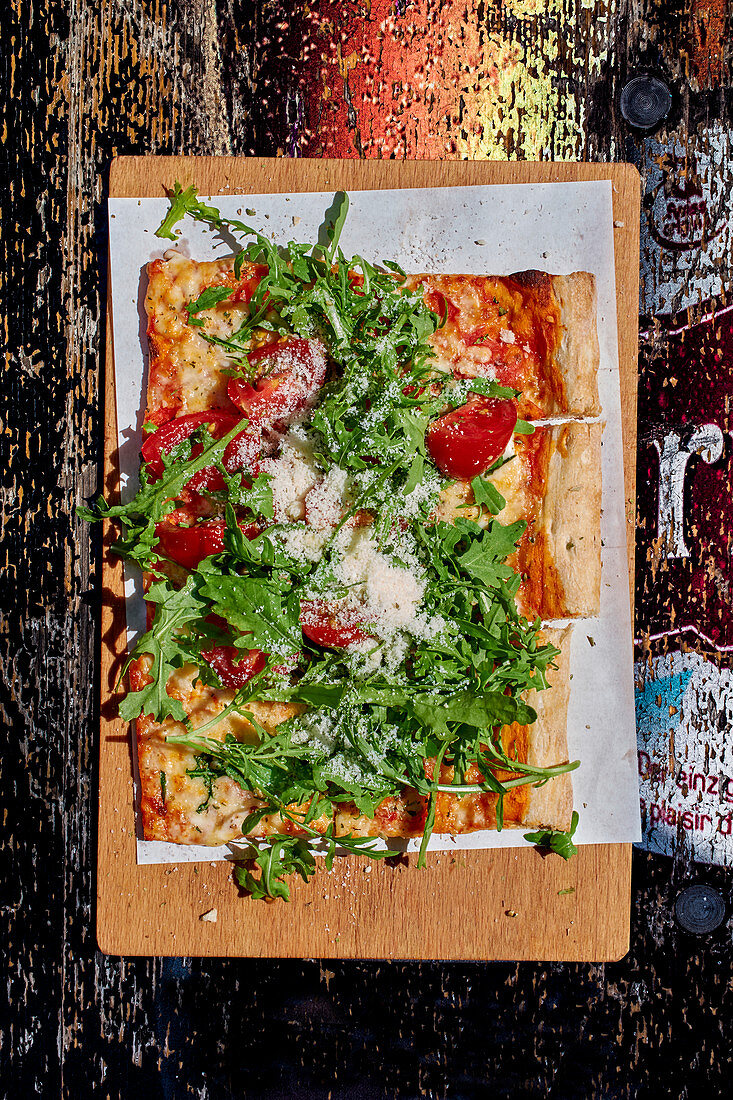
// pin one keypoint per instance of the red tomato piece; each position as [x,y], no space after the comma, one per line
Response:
[190,545]
[242,451]
[234,667]
[294,372]
[438,303]
[249,283]
[465,442]
[328,626]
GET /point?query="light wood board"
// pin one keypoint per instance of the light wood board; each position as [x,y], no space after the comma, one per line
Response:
[501,904]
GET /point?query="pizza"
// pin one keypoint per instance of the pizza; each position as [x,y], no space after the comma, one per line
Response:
[366,500]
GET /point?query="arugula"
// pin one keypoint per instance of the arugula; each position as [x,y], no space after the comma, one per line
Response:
[363,732]
[174,610]
[485,493]
[264,616]
[555,840]
[283,854]
[212,296]
[155,499]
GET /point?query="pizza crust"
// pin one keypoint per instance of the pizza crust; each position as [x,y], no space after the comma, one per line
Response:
[551,806]
[560,552]
[553,484]
[578,356]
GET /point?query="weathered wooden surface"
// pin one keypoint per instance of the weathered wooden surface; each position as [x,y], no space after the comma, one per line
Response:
[84,81]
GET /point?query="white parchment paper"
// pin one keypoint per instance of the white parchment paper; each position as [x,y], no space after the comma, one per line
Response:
[556,227]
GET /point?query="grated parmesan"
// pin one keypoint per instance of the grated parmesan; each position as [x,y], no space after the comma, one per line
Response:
[325,502]
[383,594]
[293,474]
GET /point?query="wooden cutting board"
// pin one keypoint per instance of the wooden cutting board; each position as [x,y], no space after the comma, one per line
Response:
[501,904]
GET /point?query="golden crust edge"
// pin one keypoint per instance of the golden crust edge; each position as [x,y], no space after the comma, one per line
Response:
[578,355]
[571,517]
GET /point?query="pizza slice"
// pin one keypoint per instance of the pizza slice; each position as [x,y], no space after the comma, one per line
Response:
[548,480]
[530,330]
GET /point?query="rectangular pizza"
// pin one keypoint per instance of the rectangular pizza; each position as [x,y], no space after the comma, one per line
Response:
[366,500]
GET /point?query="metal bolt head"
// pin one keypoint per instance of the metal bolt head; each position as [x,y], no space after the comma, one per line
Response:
[699,909]
[645,102]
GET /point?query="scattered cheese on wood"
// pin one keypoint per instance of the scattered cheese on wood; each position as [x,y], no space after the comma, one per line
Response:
[211,916]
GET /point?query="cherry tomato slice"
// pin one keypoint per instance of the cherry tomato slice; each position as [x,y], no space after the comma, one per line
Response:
[295,371]
[249,282]
[322,625]
[190,545]
[438,303]
[465,442]
[243,450]
[234,667]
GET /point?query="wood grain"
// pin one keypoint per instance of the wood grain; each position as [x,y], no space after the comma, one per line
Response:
[84,81]
[513,896]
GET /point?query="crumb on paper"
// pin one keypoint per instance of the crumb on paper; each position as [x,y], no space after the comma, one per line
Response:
[210,916]
[591,640]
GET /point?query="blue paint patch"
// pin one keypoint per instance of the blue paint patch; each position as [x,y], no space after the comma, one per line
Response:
[655,699]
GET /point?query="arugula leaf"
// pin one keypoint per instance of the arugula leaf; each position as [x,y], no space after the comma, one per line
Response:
[483,712]
[488,549]
[266,618]
[206,300]
[556,840]
[175,609]
[255,496]
[484,493]
[523,428]
[182,203]
[282,856]
[334,231]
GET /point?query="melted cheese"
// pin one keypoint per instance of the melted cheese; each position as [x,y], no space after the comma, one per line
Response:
[186,371]
[178,815]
